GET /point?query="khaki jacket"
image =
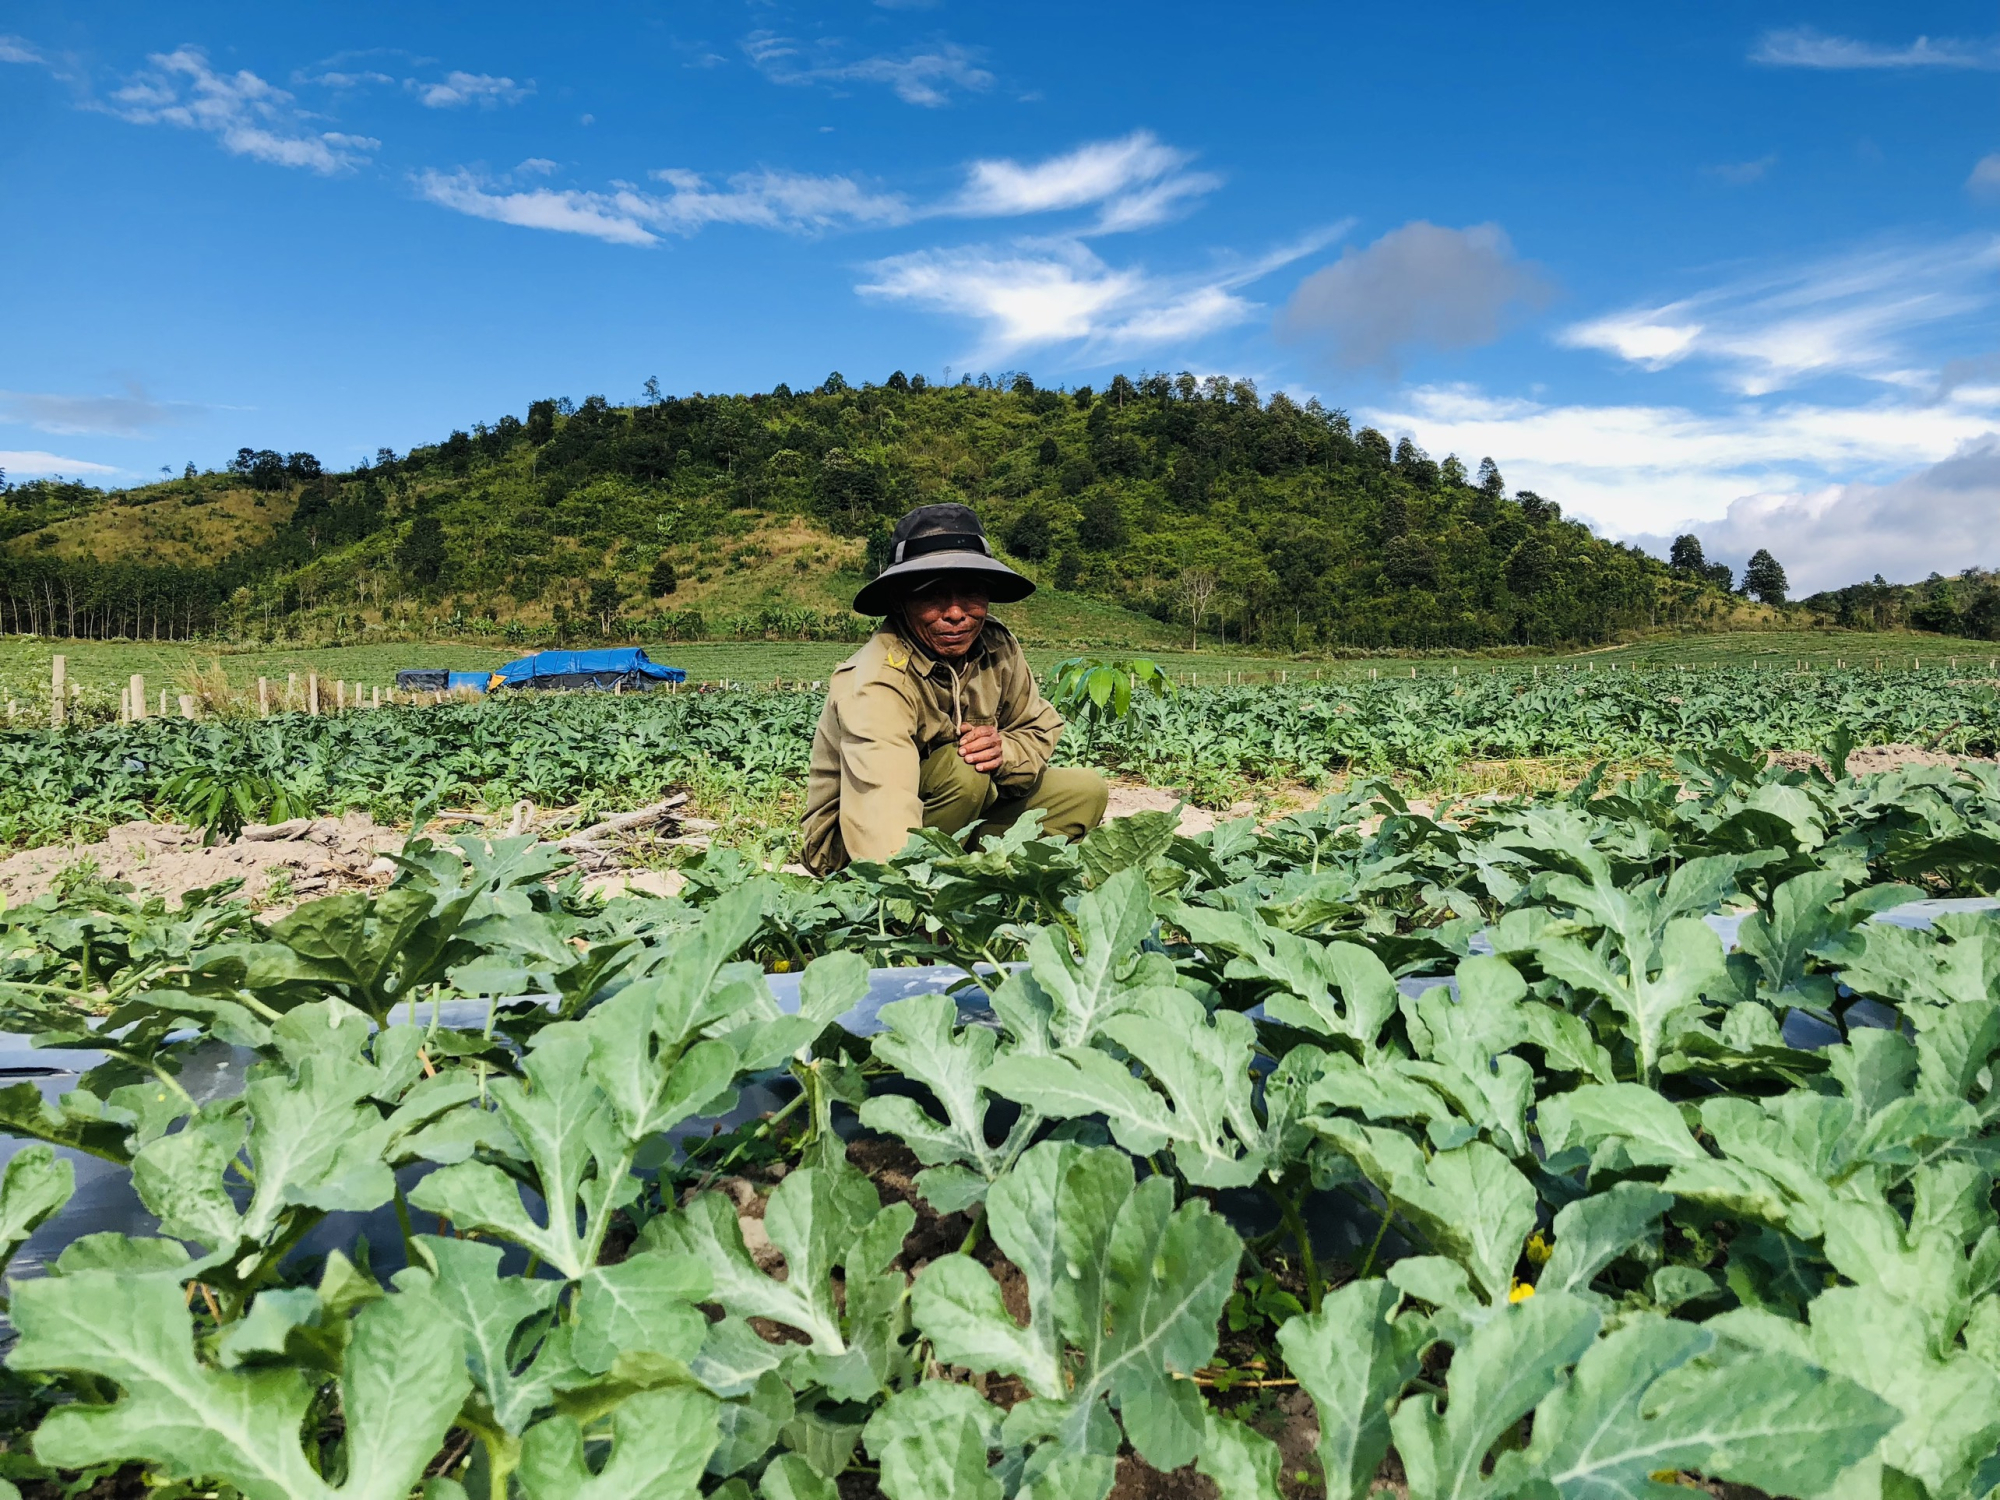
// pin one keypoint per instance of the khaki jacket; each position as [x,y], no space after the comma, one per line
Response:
[888,706]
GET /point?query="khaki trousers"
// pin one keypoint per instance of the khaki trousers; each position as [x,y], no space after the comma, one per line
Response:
[1071,798]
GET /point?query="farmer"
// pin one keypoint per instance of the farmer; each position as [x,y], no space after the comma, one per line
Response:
[937,722]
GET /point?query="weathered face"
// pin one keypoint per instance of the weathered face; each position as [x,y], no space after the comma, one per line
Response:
[946,616]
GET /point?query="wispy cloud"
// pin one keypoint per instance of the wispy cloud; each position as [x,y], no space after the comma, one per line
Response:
[791,202]
[925,75]
[456,90]
[134,414]
[1134,182]
[1040,293]
[1422,284]
[247,115]
[18,462]
[15,49]
[1743,173]
[1845,316]
[1985,178]
[1806,47]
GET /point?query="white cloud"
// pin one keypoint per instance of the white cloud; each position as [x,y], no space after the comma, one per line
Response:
[458,89]
[787,201]
[1420,284]
[1943,518]
[922,75]
[15,49]
[1642,469]
[247,115]
[1845,316]
[1743,173]
[1805,47]
[537,166]
[1040,293]
[34,461]
[134,414]
[1985,178]
[1137,181]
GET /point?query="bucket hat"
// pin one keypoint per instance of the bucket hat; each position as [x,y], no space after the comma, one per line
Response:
[933,540]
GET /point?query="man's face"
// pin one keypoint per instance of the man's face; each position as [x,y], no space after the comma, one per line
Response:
[946,616]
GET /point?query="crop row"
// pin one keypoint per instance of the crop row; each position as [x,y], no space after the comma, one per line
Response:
[577,748]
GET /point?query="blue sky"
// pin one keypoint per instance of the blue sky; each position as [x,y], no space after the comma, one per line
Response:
[1734,266]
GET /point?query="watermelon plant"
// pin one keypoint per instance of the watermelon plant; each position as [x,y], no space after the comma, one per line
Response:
[1583,1145]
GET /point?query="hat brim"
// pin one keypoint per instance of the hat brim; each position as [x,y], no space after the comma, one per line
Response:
[895,583]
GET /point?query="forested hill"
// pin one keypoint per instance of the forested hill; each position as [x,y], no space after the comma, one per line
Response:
[1275,523]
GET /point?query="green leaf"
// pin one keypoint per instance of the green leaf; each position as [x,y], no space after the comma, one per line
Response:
[489,1311]
[660,1443]
[931,1442]
[1469,1203]
[1497,1376]
[922,1046]
[402,1382]
[790,1477]
[1353,1357]
[1592,1232]
[1132,1284]
[33,1189]
[1129,843]
[1241,1461]
[645,1302]
[1658,1395]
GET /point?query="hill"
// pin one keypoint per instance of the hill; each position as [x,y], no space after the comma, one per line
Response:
[1154,511]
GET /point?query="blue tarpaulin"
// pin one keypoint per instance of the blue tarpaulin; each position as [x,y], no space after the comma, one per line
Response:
[627,666]
[477,681]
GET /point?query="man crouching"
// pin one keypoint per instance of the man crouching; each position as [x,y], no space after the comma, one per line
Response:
[937,722]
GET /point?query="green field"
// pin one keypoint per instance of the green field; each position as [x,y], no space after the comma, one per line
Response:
[104,666]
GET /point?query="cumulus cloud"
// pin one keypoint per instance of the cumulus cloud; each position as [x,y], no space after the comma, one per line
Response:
[1040,293]
[787,201]
[1134,182]
[248,116]
[1639,469]
[456,90]
[134,414]
[1942,518]
[1848,315]
[1418,285]
[19,462]
[924,75]
[1806,47]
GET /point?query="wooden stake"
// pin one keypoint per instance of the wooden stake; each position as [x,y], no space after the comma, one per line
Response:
[263,697]
[58,671]
[291,690]
[187,705]
[340,693]
[163,703]
[138,691]
[377,691]
[312,693]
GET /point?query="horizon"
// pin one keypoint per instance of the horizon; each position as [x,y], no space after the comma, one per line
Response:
[1737,278]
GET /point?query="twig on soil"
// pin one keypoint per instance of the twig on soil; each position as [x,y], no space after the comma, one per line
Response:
[623,823]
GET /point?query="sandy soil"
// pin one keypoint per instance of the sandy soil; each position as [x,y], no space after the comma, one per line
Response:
[1866,760]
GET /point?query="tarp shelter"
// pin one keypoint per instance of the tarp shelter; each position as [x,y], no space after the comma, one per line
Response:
[626,667]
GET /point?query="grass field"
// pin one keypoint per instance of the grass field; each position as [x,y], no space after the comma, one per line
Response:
[104,666]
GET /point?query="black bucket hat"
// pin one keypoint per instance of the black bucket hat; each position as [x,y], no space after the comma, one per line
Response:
[933,540]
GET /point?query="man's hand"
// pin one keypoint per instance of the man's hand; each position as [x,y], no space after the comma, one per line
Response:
[980,747]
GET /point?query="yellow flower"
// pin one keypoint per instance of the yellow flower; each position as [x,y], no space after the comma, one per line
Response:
[1537,1249]
[782,966]
[1521,1291]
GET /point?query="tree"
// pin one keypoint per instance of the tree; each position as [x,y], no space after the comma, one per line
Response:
[541,421]
[651,390]
[422,554]
[1193,591]
[663,580]
[1029,536]
[1048,455]
[1101,526]
[1720,575]
[1765,578]
[1490,483]
[605,597]
[898,381]
[1069,570]
[1685,556]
